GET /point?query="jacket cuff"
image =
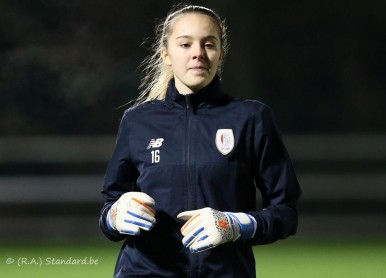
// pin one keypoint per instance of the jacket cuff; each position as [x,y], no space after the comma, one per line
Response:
[109,232]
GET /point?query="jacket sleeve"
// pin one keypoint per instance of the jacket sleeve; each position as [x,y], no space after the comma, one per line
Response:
[276,180]
[120,177]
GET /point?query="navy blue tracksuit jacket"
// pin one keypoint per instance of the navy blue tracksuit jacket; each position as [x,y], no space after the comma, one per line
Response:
[205,149]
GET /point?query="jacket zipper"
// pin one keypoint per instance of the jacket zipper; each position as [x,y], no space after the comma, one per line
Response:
[188,155]
[189,189]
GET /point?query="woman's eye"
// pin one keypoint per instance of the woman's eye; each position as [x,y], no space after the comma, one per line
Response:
[209,45]
[184,45]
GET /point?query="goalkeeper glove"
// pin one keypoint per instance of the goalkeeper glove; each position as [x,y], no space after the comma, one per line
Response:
[130,213]
[207,228]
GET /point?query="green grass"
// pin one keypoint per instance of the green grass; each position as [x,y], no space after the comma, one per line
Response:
[323,258]
[36,260]
[290,258]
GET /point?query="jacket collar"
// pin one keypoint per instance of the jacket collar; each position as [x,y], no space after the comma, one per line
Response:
[208,96]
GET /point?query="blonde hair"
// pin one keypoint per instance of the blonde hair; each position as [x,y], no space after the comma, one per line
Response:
[156,74]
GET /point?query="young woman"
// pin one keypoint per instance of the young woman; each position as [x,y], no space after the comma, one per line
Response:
[181,186]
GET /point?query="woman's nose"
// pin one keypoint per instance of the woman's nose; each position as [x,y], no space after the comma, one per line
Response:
[198,52]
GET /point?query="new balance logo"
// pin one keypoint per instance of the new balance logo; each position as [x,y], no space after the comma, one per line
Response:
[155,143]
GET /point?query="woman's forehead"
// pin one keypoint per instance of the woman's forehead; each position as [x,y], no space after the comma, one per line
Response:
[191,23]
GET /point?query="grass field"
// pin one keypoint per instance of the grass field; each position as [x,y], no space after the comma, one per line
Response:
[291,258]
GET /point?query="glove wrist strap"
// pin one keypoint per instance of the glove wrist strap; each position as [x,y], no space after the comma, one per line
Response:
[110,220]
[244,225]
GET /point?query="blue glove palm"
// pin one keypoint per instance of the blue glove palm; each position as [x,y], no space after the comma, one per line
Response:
[131,213]
[207,228]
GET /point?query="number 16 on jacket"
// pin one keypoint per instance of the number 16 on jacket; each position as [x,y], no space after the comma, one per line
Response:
[155,152]
[155,156]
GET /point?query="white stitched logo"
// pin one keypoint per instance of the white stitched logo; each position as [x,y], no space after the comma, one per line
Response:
[225,141]
[155,143]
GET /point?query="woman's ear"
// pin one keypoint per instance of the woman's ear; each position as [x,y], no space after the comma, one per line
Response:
[165,56]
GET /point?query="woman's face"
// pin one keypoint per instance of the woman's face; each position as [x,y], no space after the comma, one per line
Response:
[193,51]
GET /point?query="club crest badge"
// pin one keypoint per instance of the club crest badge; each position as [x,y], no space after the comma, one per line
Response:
[225,141]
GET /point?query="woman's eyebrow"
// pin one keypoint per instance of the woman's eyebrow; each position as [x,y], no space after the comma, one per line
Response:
[190,37]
